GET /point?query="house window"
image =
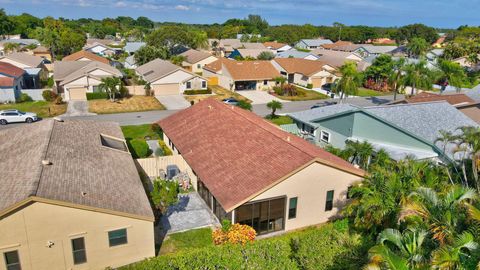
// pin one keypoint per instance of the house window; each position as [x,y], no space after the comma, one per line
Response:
[349,189]
[264,216]
[117,237]
[329,202]
[199,66]
[204,84]
[78,250]
[325,136]
[189,85]
[265,82]
[12,260]
[292,208]
[96,89]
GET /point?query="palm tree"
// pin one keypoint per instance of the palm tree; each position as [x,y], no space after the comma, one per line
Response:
[450,257]
[417,47]
[445,138]
[440,211]
[470,138]
[397,250]
[111,85]
[418,76]
[280,80]
[349,82]
[177,59]
[359,152]
[396,78]
[452,73]
[274,106]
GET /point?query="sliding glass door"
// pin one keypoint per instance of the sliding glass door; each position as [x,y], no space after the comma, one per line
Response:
[264,216]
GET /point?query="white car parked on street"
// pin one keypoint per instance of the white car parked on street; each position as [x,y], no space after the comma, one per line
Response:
[15,116]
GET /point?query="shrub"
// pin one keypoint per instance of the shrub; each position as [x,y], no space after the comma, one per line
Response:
[58,100]
[278,90]
[139,148]
[310,86]
[49,95]
[97,95]
[164,194]
[234,234]
[156,129]
[24,98]
[244,105]
[198,92]
[166,151]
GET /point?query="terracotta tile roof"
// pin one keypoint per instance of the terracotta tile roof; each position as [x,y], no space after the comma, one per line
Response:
[84,54]
[453,99]
[299,65]
[245,70]
[336,44]
[10,70]
[237,154]
[83,172]
[6,81]
[274,45]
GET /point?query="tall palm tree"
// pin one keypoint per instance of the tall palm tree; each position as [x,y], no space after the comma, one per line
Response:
[359,152]
[452,73]
[417,75]
[349,82]
[440,211]
[450,257]
[470,138]
[111,85]
[445,138]
[396,78]
[177,59]
[397,250]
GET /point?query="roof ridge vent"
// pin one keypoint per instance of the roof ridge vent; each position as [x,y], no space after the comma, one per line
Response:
[46,162]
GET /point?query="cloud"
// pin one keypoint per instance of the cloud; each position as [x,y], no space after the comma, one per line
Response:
[120,4]
[182,7]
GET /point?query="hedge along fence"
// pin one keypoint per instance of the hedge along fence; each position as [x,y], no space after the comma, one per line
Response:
[97,95]
[329,247]
[207,91]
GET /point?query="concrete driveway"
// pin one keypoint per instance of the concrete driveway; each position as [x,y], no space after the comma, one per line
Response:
[259,97]
[189,213]
[77,108]
[173,102]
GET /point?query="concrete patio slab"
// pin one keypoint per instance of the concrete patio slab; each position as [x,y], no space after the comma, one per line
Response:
[173,102]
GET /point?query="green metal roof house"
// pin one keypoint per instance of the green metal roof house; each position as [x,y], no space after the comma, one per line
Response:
[402,130]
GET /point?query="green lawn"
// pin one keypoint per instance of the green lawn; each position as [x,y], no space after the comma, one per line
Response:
[135,137]
[364,92]
[42,108]
[280,120]
[188,240]
[303,95]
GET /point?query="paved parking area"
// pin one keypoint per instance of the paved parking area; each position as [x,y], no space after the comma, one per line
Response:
[259,97]
[173,102]
[189,213]
[77,108]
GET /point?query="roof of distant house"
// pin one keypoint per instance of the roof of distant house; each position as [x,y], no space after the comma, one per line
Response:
[10,70]
[67,71]
[193,56]
[24,58]
[82,171]
[378,49]
[157,69]
[253,53]
[41,49]
[245,70]
[132,47]
[85,54]
[237,154]
[294,54]
[336,44]
[302,66]
[454,99]
[274,45]
[347,48]
[21,41]
[316,42]
[93,41]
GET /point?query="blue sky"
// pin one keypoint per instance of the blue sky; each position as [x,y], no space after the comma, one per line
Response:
[437,13]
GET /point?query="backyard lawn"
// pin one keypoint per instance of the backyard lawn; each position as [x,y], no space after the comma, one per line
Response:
[220,93]
[188,240]
[131,104]
[303,94]
[42,108]
[136,137]
[280,119]
[364,92]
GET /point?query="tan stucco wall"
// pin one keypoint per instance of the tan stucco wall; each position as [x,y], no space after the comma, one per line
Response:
[29,229]
[202,63]
[310,185]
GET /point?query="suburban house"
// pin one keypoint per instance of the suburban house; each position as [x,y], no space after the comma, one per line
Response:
[20,41]
[132,47]
[247,53]
[251,172]
[277,47]
[466,63]
[241,75]
[85,56]
[166,78]
[296,54]
[35,69]
[462,102]
[382,41]
[366,50]
[73,79]
[71,198]
[305,72]
[339,58]
[196,60]
[100,46]
[338,43]
[42,52]
[404,130]
[228,45]
[312,44]
[11,82]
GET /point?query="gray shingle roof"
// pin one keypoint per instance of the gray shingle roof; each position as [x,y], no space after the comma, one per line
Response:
[316,42]
[24,58]
[294,53]
[193,56]
[80,164]
[131,47]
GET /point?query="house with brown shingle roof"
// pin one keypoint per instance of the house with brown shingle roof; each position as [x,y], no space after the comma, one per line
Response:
[241,75]
[277,47]
[71,196]
[196,60]
[251,172]
[305,72]
[11,82]
[85,56]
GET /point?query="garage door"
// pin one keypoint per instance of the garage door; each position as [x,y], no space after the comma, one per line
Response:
[317,82]
[78,93]
[166,89]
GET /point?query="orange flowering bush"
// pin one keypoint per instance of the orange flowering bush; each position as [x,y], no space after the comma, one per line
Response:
[235,234]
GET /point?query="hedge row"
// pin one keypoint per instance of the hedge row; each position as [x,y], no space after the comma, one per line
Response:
[328,247]
[97,95]
[198,92]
